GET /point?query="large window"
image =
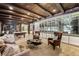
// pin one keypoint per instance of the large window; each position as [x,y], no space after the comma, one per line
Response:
[49,26]
[66,24]
[75,25]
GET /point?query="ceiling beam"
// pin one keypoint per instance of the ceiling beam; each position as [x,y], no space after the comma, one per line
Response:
[18,15]
[60,7]
[17,10]
[13,16]
[44,8]
[9,16]
[6,15]
[18,21]
[3,16]
[29,10]
[14,13]
[21,10]
[76,4]
[66,10]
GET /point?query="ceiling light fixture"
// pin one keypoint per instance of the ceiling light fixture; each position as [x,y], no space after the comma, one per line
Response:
[38,16]
[54,10]
[28,13]
[22,19]
[11,8]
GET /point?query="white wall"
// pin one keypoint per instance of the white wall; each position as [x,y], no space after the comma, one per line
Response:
[71,40]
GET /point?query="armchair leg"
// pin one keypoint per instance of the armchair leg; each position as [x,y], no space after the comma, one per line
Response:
[54,47]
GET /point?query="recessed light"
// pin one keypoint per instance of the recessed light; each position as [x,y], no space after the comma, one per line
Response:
[11,8]
[28,13]
[22,18]
[38,16]
[54,10]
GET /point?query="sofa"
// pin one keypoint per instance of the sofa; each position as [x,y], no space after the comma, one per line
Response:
[13,49]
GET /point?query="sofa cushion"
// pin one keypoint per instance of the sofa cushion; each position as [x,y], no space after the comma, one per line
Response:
[9,38]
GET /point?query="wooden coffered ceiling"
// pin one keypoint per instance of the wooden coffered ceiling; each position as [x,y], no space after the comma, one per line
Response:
[30,12]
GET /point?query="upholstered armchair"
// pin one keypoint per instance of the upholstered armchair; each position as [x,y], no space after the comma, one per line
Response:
[55,42]
[50,40]
[36,38]
[36,35]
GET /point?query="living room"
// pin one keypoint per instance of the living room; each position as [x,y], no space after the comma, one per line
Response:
[34,30]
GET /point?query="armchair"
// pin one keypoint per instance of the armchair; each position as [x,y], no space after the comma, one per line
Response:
[36,40]
[55,42]
[50,40]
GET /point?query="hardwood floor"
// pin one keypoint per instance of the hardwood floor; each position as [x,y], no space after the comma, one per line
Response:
[47,50]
